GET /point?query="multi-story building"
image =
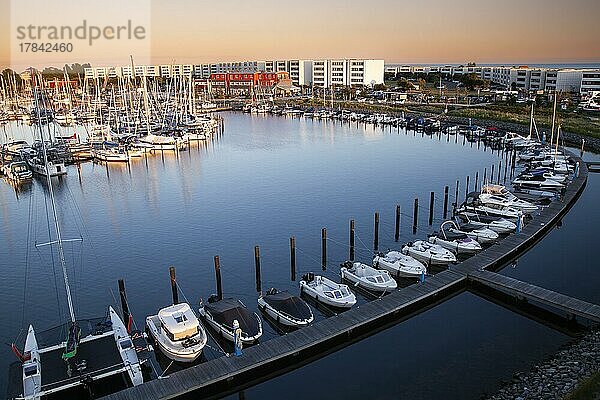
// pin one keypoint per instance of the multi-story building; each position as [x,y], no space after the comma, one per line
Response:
[245,83]
[347,72]
[590,81]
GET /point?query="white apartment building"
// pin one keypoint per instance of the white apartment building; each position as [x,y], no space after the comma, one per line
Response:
[590,81]
[347,72]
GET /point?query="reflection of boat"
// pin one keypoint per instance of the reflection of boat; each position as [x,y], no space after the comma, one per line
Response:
[458,242]
[220,315]
[326,291]
[177,332]
[367,277]
[429,253]
[285,308]
[399,265]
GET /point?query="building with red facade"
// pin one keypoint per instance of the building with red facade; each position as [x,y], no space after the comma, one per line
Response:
[246,83]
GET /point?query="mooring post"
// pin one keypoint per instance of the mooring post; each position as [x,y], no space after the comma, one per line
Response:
[257,267]
[431,202]
[456,194]
[124,305]
[218,278]
[415,215]
[351,240]
[467,187]
[484,176]
[293,257]
[324,248]
[397,231]
[174,285]
[505,169]
[499,171]
[475,188]
[376,233]
[492,174]
[445,202]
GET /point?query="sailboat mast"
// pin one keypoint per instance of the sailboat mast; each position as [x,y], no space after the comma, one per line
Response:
[531,122]
[61,253]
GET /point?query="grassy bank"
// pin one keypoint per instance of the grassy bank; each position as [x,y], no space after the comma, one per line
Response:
[588,389]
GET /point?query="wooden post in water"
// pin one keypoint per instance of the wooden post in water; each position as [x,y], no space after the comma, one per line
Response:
[257,267]
[499,170]
[476,181]
[351,240]
[445,202]
[376,233]
[467,187]
[397,232]
[293,257]
[324,248]
[492,174]
[505,169]
[174,291]
[218,278]
[484,176]
[431,201]
[456,194]
[415,215]
[124,305]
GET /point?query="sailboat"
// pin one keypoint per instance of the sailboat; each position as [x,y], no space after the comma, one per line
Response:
[87,354]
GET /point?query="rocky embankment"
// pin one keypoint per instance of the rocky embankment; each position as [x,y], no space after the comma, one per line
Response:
[558,376]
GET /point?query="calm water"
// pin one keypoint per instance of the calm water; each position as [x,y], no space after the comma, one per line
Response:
[265,179]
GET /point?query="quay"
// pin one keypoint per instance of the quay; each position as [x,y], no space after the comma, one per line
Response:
[229,374]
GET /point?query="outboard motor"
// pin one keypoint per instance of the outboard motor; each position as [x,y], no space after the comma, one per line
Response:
[308,277]
[213,298]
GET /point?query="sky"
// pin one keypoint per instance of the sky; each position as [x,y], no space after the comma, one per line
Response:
[424,31]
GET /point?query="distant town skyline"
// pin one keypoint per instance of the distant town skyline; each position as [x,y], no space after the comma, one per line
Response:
[510,32]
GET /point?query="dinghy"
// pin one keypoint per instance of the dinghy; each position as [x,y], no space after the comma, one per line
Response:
[458,243]
[285,308]
[429,253]
[178,333]
[32,367]
[367,277]
[220,314]
[326,291]
[399,265]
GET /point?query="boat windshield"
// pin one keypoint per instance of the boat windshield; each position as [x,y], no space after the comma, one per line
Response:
[30,369]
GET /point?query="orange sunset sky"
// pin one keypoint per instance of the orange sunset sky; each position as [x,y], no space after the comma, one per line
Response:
[424,31]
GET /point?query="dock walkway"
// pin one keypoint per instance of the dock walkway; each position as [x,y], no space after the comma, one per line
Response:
[276,356]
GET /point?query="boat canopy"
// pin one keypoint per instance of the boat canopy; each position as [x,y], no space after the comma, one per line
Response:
[179,320]
[225,311]
[286,303]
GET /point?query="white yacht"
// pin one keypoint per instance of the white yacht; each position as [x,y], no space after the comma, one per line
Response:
[178,333]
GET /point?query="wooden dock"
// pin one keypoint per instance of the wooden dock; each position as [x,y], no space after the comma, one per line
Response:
[529,292]
[225,375]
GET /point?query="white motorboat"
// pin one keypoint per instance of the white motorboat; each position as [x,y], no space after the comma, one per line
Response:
[500,196]
[473,206]
[483,235]
[285,308]
[497,224]
[399,265]
[459,243]
[159,142]
[367,277]
[18,172]
[178,333]
[53,168]
[537,181]
[110,155]
[126,348]
[220,314]
[326,291]
[429,253]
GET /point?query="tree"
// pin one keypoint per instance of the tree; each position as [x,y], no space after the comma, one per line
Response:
[471,81]
[404,84]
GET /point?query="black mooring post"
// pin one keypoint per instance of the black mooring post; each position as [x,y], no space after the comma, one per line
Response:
[397,230]
[505,170]
[351,240]
[415,215]
[257,267]
[456,194]
[218,278]
[445,202]
[467,187]
[324,248]
[484,176]
[293,257]
[124,306]
[376,233]
[492,174]
[431,202]
[499,170]
[174,285]
[475,188]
